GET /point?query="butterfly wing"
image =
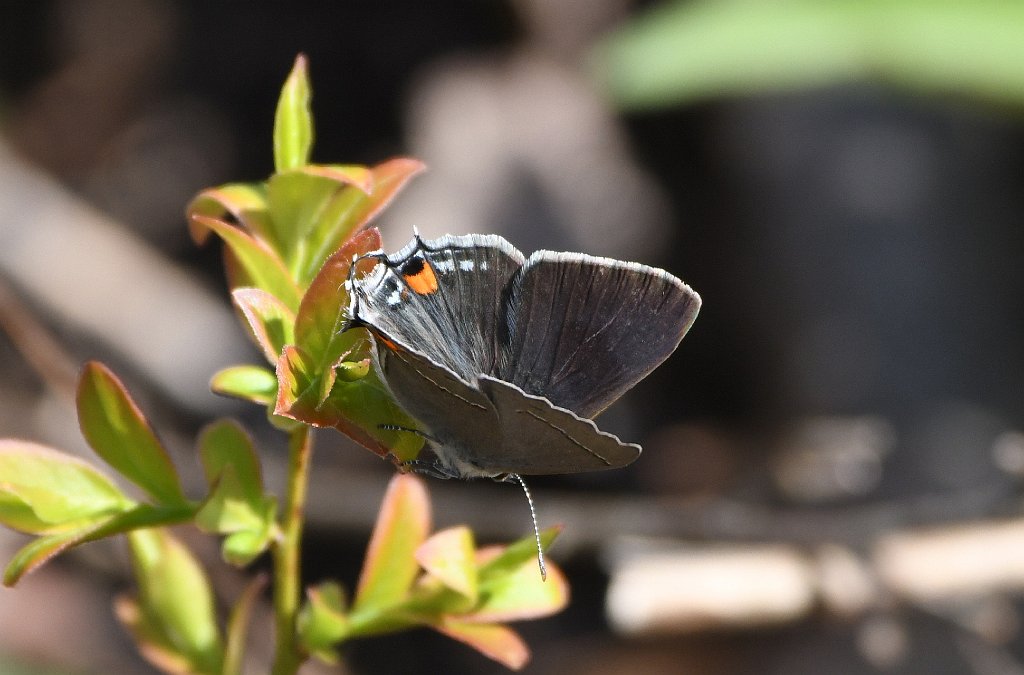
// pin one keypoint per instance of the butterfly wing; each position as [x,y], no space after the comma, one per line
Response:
[442,297]
[540,438]
[583,330]
[455,415]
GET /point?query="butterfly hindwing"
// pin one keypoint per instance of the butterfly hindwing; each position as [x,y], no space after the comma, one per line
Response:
[455,415]
[539,438]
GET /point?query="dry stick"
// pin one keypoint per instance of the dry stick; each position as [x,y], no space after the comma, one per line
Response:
[33,340]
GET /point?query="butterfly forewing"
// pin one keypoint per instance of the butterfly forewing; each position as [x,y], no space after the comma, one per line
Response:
[584,330]
[443,298]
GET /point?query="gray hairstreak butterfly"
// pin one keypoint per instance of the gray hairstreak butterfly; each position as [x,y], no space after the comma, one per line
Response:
[504,360]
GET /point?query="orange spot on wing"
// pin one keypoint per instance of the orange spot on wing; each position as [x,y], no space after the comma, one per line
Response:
[421,279]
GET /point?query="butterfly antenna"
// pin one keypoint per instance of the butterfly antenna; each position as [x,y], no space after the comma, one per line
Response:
[536,530]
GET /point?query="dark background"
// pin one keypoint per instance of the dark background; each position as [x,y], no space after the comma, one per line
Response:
[857,248]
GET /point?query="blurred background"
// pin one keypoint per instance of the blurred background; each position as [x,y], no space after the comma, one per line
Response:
[833,460]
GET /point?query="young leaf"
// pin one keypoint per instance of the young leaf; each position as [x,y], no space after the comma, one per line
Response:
[255,263]
[247,520]
[249,383]
[148,637]
[293,125]
[43,491]
[449,557]
[402,525]
[516,554]
[118,432]
[38,551]
[322,621]
[246,203]
[306,202]
[296,200]
[175,599]
[352,208]
[42,549]
[521,594]
[358,409]
[494,641]
[271,322]
[225,444]
[238,626]
[228,509]
[241,548]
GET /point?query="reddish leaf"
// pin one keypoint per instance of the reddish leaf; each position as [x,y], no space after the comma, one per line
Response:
[350,209]
[492,640]
[359,409]
[323,311]
[390,568]
[388,179]
[355,175]
[118,432]
[271,322]
[255,262]
[246,203]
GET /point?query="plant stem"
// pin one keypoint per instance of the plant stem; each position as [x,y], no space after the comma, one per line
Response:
[287,551]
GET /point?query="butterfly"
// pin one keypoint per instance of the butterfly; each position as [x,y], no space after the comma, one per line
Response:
[504,360]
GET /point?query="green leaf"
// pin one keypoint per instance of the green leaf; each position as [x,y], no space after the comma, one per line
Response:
[271,322]
[322,621]
[500,643]
[238,626]
[516,555]
[300,201]
[402,525]
[38,551]
[448,556]
[224,444]
[293,125]
[118,432]
[359,409]
[296,199]
[236,505]
[42,549]
[685,51]
[246,203]
[352,208]
[241,548]
[46,491]
[175,599]
[248,522]
[253,263]
[227,509]
[249,383]
[521,594]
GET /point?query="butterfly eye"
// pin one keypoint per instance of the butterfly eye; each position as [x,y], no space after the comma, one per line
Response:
[419,276]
